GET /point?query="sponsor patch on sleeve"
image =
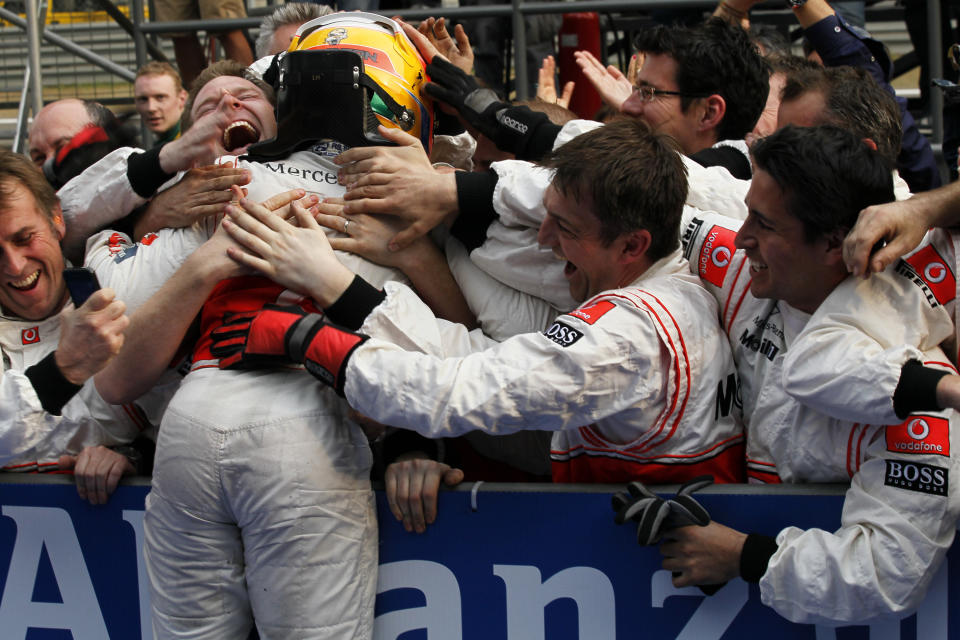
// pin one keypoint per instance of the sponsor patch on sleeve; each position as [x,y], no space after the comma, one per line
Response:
[715,254]
[594,312]
[120,248]
[563,334]
[932,268]
[920,434]
[916,476]
[689,234]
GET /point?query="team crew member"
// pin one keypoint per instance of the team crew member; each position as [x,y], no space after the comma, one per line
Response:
[628,381]
[266,506]
[788,306]
[51,415]
[159,98]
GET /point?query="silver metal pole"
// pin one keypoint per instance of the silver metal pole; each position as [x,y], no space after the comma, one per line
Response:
[935,52]
[73,48]
[139,40]
[33,55]
[20,133]
[519,52]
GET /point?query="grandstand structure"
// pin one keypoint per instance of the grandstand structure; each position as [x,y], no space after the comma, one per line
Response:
[91,48]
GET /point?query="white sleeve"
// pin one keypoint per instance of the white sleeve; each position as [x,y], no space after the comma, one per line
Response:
[404,319]
[867,329]
[574,128]
[708,245]
[714,189]
[136,270]
[557,379]
[511,253]
[28,433]
[898,521]
[501,311]
[99,196]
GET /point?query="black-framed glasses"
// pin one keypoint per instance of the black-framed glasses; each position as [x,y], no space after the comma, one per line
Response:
[648,93]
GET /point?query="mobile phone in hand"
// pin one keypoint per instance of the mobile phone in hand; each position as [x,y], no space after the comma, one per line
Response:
[81,282]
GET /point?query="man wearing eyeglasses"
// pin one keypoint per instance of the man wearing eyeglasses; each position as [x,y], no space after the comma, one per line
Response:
[705,86]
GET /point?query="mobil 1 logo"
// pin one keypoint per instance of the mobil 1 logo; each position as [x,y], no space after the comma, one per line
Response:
[916,476]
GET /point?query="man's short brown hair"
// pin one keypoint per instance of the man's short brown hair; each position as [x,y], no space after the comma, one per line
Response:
[633,177]
[217,70]
[17,169]
[156,68]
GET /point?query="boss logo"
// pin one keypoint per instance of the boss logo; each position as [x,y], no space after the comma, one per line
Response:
[564,335]
[916,476]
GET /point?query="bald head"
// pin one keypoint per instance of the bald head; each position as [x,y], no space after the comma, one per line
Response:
[54,126]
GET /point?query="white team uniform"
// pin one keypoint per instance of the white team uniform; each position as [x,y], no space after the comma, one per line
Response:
[628,381]
[261,497]
[32,439]
[817,399]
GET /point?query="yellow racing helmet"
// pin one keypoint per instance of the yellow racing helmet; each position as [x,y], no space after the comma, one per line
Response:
[344,74]
[389,59]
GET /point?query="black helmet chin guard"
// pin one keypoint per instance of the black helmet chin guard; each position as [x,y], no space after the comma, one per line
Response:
[324,95]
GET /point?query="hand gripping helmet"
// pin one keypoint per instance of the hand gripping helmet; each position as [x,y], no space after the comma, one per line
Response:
[344,74]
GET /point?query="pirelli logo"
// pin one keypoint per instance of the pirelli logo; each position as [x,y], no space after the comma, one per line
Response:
[916,476]
[689,234]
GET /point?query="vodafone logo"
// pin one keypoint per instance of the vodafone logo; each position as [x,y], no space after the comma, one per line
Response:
[716,254]
[721,256]
[935,272]
[594,312]
[918,429]
[30,336]
[920,434]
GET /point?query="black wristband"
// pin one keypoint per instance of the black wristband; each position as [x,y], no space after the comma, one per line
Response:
[525,133]
[145,173]
[355,304]
[475,203]
[917,389]
[755,555]
[52,388]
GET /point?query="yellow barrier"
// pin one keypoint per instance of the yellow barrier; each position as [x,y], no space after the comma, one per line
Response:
[81,17]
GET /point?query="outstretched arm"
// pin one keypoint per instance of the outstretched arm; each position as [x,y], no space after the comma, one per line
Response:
[900,225]
[422,262]
[398,181]
[158,327]
[614,87]
[456,49]
[547,88]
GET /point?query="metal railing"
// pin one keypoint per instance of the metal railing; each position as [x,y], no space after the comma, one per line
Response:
[516,10]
